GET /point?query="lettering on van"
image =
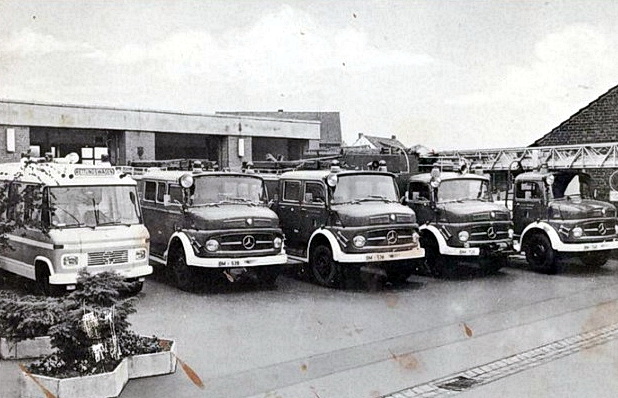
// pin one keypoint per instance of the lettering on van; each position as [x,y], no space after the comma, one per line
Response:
[94,172]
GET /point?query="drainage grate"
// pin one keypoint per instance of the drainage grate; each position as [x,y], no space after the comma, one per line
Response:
[459,383]
[489,372]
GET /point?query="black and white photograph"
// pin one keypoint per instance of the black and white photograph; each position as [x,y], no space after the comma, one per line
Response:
[308,198]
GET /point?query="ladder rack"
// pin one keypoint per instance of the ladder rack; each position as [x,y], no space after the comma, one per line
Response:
[595,156]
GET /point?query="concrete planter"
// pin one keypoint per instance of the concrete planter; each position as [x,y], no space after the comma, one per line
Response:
[159,363]
[101,385]
[30,348]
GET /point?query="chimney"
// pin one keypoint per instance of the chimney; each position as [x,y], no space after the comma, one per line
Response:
[360,135]
[280,110]
[393,137]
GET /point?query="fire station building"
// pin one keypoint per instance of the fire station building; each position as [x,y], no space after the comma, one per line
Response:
[130,134]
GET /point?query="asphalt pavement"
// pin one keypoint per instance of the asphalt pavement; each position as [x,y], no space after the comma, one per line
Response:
[301,340]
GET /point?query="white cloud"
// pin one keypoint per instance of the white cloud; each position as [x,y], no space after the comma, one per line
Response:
[28,43]
[567,66]
[286,44]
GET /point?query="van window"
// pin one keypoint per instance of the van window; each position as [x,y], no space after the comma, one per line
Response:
[25,204]
[315,193]
[175,193]
[291,191]
[529,190]
[419,191]
[161,191]
[150,191]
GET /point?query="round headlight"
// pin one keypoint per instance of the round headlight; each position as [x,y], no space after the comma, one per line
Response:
[577,232]
[359,241]
[549,180]
[463,236]
[186,180]
[331,180]
[511,233]
[277,242]
[212,245]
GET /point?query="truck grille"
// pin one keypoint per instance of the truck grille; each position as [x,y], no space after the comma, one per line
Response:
[246,241]
[489,232]
[389,237]
[108,258]
[599,228]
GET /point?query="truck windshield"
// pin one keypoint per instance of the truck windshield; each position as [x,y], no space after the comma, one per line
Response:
[365,187]
[572,186]
[463,189]
[92,206]
[227,189]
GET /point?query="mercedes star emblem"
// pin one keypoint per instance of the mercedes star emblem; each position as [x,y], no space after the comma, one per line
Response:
[602,229]
[391,237]
[491,233]
[248,242]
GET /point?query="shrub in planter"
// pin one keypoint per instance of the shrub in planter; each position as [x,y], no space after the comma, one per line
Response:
[24,325]
[92,335]
[27,317]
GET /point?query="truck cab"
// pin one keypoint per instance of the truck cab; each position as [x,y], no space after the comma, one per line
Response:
[556,213]
[460,223]
[211,225]
[343,223]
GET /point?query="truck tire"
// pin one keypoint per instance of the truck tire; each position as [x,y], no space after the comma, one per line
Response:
[267,276]
[540,255]
[324,270]
[42,282]
[438,265]
[595,259]
[492,264]
[181,274]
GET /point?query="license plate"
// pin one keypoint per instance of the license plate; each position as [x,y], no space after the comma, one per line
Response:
[230,263]
[378,257]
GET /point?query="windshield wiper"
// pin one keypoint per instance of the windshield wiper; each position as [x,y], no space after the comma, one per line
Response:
[79,223]
[374,197]
[238,199]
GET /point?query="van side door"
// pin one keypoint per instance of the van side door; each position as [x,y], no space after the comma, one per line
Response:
[419,200]
[288,210]
[528,204]
[314,213]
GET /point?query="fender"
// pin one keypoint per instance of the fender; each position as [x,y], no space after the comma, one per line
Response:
[437,235]
[186,245]
[334,243]
[46,261]
[539,226]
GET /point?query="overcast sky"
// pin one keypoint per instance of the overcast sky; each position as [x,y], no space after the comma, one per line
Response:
[445,74]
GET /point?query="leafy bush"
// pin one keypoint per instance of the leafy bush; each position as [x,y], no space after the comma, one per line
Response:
[96,294]
[27,317]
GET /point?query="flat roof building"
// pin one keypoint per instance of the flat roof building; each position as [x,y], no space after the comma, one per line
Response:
[127,135]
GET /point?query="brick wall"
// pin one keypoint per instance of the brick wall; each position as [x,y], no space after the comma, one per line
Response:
[22,143]
[596,123]
[131,141]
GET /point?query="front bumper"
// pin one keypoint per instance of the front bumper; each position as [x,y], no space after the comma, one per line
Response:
[225,262]
[493,249]
[374,257]
[129,273]
[587,247]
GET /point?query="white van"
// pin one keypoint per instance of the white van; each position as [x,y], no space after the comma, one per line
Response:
[69,216]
